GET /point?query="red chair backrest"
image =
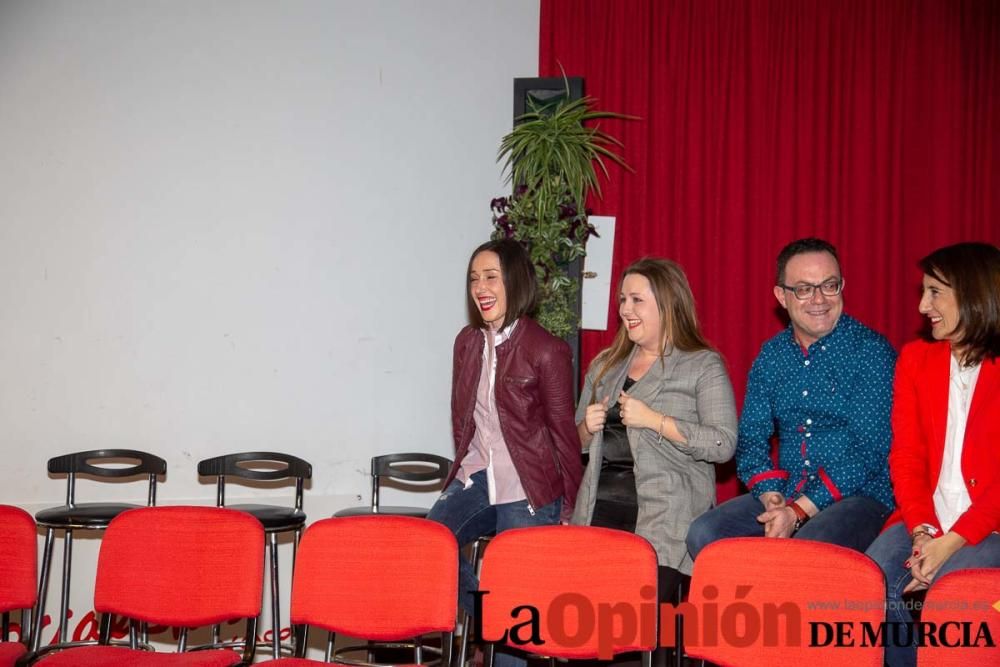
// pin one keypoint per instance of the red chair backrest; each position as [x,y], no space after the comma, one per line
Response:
[181,566]
[594,590]
[18,559]
[964,596]
[379,577]
[757,601]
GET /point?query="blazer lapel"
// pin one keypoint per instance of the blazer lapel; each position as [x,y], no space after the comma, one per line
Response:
[938,384]
[987,386]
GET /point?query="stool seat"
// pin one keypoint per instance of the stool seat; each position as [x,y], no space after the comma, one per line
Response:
[82,515]
[418,512]
[274,517]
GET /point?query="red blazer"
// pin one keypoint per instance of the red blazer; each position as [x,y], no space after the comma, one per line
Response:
[919,421]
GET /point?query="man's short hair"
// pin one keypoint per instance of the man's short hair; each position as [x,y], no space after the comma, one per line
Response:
[801,247]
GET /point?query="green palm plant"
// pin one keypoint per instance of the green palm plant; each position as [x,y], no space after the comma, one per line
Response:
[553,156]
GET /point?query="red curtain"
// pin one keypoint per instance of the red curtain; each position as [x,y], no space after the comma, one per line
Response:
[871,123]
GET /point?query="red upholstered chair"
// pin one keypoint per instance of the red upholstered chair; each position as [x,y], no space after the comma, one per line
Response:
[381,577]
[184,567]
[573,576]
[962,596]
[18,571]
[753,601]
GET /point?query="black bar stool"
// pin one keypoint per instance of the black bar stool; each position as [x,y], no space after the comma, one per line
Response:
[264,467]
[105,464]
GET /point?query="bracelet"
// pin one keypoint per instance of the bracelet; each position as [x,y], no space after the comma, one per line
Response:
[800,515]
[920,531]
[659,431]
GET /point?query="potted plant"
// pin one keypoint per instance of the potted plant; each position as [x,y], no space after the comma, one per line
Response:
[552,156]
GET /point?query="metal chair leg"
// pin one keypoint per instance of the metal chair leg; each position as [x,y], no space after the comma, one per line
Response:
[43,588]
[61,631]
[275,600]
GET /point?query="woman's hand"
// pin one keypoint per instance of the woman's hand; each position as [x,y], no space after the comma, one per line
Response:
[596,416]
[929,554]
[636,413]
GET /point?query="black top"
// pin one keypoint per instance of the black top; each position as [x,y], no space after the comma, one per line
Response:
[616,505]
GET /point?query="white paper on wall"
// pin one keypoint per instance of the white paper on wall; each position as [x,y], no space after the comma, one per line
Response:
[597,274]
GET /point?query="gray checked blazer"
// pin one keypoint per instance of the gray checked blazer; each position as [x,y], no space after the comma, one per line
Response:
[675,482]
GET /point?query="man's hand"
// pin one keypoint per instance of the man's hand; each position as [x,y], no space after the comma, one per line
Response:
[778,522]
[772,500]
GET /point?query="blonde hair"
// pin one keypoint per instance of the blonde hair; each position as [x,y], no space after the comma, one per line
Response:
[678,318]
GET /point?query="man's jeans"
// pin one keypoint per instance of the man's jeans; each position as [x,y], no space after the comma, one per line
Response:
[854,522]
[891,550]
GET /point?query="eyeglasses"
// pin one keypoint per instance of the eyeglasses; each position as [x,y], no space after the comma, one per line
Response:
[804,291]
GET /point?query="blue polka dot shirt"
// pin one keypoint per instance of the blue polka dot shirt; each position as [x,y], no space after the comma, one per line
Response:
[829,406]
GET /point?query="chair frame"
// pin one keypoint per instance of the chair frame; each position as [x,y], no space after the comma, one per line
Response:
[230,465]
[72,465]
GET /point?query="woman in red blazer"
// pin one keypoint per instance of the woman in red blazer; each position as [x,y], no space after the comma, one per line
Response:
[945,457]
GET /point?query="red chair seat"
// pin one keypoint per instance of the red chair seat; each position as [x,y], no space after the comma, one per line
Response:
[10,652]
[117,656]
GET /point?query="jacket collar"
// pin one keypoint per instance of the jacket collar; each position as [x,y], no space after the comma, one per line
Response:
[648,388]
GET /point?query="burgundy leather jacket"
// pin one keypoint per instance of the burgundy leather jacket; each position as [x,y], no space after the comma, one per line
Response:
[534,399]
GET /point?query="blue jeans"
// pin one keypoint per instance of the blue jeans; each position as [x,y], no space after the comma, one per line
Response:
[891,550]
[853,523]
[468,514]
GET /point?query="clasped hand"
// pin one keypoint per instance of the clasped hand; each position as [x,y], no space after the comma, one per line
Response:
[777,517]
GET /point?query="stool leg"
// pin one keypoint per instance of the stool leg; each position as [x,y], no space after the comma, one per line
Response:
[62,632]
[275,601]
[43,589]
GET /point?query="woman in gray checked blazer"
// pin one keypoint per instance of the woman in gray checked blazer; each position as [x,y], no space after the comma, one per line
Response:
[656,414]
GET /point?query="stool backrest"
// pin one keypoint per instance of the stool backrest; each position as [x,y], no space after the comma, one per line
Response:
[411,467]
[18,564]
[257,466]
[108,463]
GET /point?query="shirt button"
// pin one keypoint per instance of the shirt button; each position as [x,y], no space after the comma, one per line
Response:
[812,476]
[805,392]
[807,462]
[972,482]
[823,347]
[809,435]
[809,421]
[718,443]
[806,362]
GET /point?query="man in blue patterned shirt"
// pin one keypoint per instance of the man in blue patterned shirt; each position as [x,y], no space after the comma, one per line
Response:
[824,387]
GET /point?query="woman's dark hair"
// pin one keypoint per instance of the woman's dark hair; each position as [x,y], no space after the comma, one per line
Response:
[972,270]
[519,281]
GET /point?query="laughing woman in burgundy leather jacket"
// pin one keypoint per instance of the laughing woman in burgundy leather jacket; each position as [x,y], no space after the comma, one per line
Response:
[517,459]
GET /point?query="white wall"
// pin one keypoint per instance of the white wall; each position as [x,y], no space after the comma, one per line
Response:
[230,226]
